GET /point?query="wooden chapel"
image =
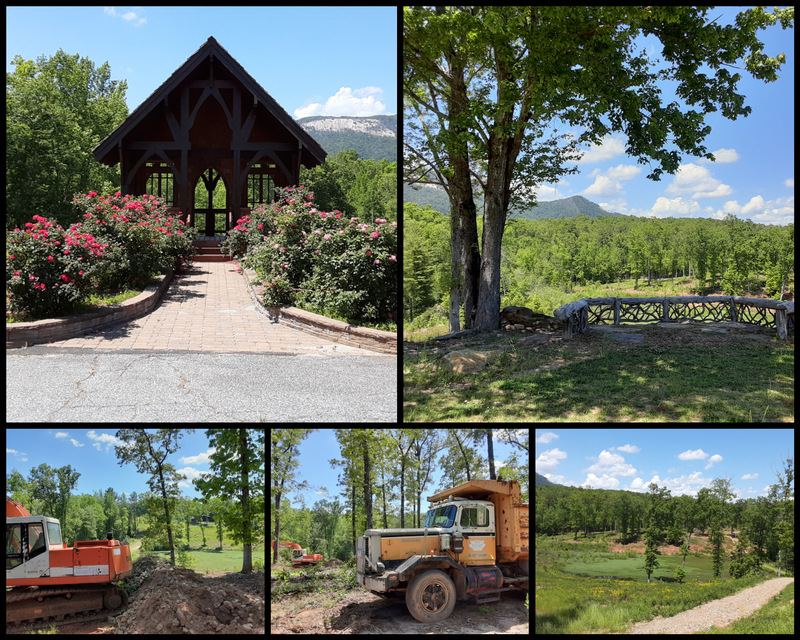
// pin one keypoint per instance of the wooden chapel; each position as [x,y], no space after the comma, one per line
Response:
[209,122]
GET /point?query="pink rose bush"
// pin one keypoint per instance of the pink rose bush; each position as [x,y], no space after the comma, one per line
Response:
[323,260]
[119,241]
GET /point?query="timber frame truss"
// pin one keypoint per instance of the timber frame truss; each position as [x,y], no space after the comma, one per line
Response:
[210,114]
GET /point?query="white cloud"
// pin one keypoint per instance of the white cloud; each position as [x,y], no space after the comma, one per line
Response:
[202,458]
[624,172]
[683,485]
[346,102]
[609,147]
[559,480]
[548,460]
[779,211]
[722,156]
[21,457]
[605,482]
[629,448]
[546,437]
[65,436]
[713,460]
[603,186]
[638,483]
[697,180]
[128,16]
[103,439]
[546,193]
[612,464]
[675,208]
[608,184]
[191,473]
[697,454]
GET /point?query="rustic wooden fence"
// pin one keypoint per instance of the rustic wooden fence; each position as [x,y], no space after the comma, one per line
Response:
[576,316]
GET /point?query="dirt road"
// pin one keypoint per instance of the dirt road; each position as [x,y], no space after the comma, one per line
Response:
[348,611]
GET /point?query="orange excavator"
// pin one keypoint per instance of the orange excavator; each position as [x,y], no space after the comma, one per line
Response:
[57,584]
[299,556]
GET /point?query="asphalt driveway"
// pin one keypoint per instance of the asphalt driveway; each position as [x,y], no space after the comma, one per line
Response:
[57,384]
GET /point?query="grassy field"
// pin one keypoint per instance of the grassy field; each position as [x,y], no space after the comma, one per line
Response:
[688,374]
[593,602]
[204,553]
[694,373]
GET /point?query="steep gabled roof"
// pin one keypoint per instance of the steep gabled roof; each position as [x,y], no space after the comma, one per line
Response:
[313,153]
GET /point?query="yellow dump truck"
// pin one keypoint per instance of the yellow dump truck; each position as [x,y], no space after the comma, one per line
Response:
[474,545]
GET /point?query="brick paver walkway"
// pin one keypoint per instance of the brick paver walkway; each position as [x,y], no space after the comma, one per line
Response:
[208,309]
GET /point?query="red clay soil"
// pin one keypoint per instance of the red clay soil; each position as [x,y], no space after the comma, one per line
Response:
[700,542]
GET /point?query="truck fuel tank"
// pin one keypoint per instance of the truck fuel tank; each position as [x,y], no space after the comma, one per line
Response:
[473,581]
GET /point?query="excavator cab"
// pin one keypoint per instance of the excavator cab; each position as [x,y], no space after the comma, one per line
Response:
[51,580]
[28,542]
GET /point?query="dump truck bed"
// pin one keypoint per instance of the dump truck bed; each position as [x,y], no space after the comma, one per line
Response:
[479,490]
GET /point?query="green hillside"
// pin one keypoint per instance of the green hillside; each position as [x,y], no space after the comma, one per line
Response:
[565,208]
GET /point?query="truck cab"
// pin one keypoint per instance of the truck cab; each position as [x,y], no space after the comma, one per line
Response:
[463,527]
[460,552]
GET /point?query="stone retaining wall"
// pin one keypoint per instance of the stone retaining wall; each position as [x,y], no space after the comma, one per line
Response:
[24,334]
[322,327]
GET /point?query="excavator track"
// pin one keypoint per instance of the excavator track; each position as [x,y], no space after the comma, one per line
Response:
[41,607]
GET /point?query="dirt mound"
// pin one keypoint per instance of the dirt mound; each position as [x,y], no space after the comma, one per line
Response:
[179,600]
[700,542]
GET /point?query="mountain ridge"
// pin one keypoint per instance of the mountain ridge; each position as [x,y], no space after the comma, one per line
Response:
[372,137]
[541,481]
[572,207]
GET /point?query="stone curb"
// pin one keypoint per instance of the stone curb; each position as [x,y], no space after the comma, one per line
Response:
[24,334]
[322,327]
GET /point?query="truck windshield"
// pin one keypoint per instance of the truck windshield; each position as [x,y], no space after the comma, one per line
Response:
[441,517]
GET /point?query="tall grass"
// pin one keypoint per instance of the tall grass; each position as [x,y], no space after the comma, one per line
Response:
[575,604]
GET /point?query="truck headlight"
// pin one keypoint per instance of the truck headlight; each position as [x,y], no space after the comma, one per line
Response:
[380,568]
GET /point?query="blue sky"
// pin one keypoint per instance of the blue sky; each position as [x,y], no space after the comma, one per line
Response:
[314,467]
[753,176]
[683,460]
[337,61]
[90,452]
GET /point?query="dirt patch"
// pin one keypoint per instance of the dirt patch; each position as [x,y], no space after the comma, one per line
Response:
[179,600]
[655,334]
[330,608]
[169,599]
[700,542]
[591,343]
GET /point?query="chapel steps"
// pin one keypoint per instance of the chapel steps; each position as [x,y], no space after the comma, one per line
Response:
[208,249]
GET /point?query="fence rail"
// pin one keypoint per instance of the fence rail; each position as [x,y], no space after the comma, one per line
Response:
[577,316]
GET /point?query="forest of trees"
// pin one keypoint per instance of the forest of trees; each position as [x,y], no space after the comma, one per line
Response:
[484,85]
[764,525]
[89,516]
[728,255]
[384,478]
[160,517]
[60,107]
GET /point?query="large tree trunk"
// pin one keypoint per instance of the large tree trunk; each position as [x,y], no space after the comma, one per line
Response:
[494,221]
[465,258]
[455,268]
[504,145]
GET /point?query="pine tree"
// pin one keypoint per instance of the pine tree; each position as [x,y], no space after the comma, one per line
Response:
[652,536]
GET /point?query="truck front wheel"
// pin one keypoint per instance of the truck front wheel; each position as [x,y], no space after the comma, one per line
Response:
[431,596]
